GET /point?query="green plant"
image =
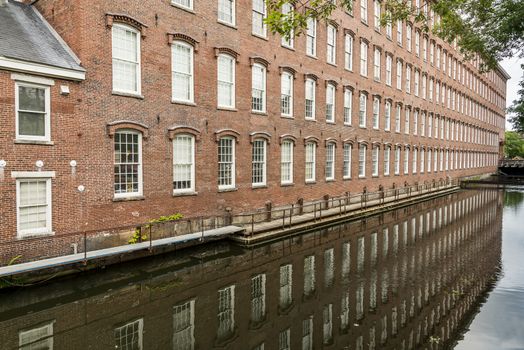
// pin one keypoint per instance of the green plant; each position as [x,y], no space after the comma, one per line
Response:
[139,235]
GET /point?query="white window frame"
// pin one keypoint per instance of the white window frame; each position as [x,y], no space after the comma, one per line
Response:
[263,86]
[330,161]
[387,116]
[362,150]
[330,102]
[376,64]
[364,47]
[191,189]
[178,3]
[376,112]
[387,156]
[375,160]
[311,37]
[348,51]
[399,74]
[28,177]
[289,162]
[313,85]
[331,44]
[27,338]
[264,15]
[364,11]
[376,14]
[284,79]
[138,193]
[310,147]
[348,106]
[185,45]
[230,84]
[233,12]
[233,163]
[261,161]
[362,110]
[348,149]
[389,68]
[47,110]
[290,42]
[138,91]
[140,339]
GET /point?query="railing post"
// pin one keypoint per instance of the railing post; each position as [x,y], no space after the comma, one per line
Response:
[85,248]
[252,224]
[283,218]
[291,215]
[315,212]
[150,238]
[320,213]
[202,227]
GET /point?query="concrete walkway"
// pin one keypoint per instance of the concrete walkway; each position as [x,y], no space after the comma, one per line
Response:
[103,253]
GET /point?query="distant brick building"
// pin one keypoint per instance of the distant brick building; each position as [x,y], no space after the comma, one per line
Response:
[192,106]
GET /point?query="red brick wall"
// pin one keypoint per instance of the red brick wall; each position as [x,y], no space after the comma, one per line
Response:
[79,131]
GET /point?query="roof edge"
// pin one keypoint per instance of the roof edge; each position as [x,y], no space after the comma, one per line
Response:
[503,71]
[41,69]
[56,35]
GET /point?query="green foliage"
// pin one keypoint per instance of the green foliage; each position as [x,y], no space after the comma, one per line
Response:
[517,109]
[140,232]
[514,145]
[13,260]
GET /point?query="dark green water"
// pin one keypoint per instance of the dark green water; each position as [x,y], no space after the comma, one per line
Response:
[443,274]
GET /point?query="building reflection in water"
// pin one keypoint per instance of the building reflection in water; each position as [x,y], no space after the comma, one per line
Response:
[406,279]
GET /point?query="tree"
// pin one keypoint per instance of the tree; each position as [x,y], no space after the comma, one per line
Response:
[491,29]
[517,109]
[514,145]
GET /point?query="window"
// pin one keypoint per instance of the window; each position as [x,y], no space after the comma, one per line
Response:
[430,95]
[430,124]
[130,336]
[184,325]
[347,160]
[182,71]
[330,103]
[286,286]
[407,120]
[126,59]
[415,160]
[226,81]
[376,112]
[258,174]
[415,122]
[286,164]
[364,11]
[406,160]
[183,164]
[259,15]
[363,58]
[425,49]
[284,342]
[362,160]
[399,74]
[387,116]
[417,43]
[310,98]
[408,79]
[422,161]
[416,86]
[309,275]
[424,83]
[258,298]
[408,37]
[389,64]
[399,32]
[387,153]
[397,160]
[423,124]
[432,53]
[128,163]
[376,15]
[331,44]
[376,65]
[258,92]
[37,338]
[33,120]
[389,28]
[288,41]
[286,94]
[311,148]
[374,161]
[226,11]
[183,3]
[226,163]
[362,110]
[429,160]
[330,161]
[348,105]
[34,206]
[397,118]
[226,312]
[307,333]
[328,324]
[348,52]
[311,37]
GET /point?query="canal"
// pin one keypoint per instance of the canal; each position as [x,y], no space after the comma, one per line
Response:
[441,274]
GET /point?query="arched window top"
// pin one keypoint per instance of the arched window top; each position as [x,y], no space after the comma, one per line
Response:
[330,140]
[377,96]
[227,51]
[121,18]
[348,31]
[331,82]
[288,137]
[259,60]
[311,76]
[260,135]
[311,139]
[363,143]
[387,145]
[349,87]
[376,143]
[180,37]
[348,141]
[175,130]
[364,40]
[227,133]
[331,22]
[407,146]
[112,127]
[287,69]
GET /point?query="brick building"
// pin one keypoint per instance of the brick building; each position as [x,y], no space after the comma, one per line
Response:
[192,106]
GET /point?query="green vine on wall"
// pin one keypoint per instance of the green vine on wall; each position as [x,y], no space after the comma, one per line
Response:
[140,235]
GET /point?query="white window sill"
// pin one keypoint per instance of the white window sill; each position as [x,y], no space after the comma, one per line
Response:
[310,119]
[225,108]
[346,178]
[34,142]
[259,36]
[186,103]
[259,113]
[129,198]
[227,189]
[330,122]
[286,116]
[187,9]
[128,94]
[311,182]
[29,235]
[287,184]
[227,24]
[362,176]
[258,186]
[330,180]
[334,64]
[184,194]
[288,47]
[311,56]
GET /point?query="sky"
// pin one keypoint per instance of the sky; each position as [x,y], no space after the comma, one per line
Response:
[512,66]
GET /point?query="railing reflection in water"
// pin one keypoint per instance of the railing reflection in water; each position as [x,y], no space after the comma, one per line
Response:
[401,280]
